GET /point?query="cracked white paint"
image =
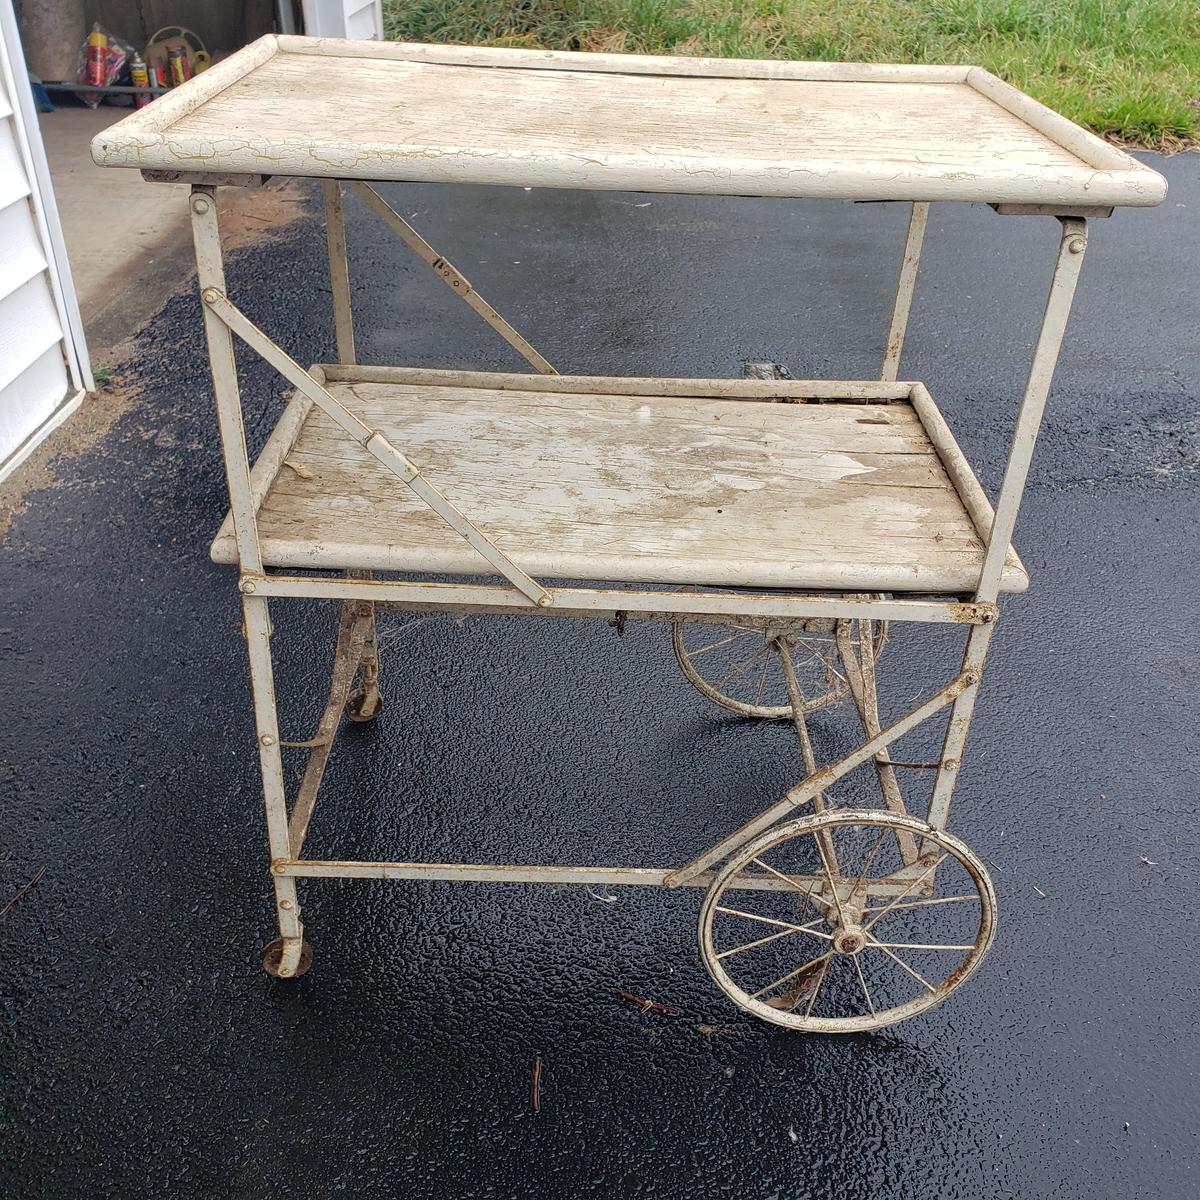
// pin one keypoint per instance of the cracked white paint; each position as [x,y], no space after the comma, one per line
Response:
[329,108]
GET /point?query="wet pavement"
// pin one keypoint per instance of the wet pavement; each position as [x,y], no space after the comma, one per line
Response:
[146,1054]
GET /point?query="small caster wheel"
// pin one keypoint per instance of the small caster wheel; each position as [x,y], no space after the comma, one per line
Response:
[273,957]
[364,706]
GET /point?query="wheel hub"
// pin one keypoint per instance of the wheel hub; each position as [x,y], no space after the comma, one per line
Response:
[849,939]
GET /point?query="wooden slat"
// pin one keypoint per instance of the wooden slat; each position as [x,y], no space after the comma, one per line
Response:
[637,488]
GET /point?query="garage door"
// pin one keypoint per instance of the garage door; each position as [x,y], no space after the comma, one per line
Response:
[43,362]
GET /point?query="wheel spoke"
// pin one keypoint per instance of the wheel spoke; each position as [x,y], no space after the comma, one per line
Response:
[734,912]
[920,879]
[800,970]
[812,999]
[821,849]
[919,946]
[863,983]
[721,642]
[870,859]
[874,945]
[817,656]
[762,679]
[926,903]
[741,668]
[771,937]
[805,892]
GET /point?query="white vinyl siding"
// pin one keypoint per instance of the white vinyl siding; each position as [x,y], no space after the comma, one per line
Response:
[43,363]
[32,400]
[344,18]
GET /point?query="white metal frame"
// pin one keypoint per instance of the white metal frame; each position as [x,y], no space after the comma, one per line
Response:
[523,595]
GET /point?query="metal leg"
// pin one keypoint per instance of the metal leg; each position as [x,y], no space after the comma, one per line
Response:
[783,647]
[210,271]
[1071,247]
[339,270]
[955,740]
[347,655]
[859,664]
[211,274]
[902,304]
[266,722]
[365,704]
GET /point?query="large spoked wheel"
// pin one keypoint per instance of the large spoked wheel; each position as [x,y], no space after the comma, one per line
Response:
[821,925]
[738,666]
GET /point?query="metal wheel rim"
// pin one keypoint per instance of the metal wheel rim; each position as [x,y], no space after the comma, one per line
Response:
[807,826]
[761,711]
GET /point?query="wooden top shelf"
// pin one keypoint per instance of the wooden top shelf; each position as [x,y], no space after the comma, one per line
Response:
[322,107]
[719,482]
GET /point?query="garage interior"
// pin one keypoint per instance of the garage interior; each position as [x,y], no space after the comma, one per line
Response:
[118,228]
[125,243]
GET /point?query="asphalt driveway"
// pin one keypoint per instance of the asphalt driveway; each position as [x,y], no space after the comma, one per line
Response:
[146,1054]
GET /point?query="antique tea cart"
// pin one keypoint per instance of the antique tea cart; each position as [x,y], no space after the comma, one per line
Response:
[781,527]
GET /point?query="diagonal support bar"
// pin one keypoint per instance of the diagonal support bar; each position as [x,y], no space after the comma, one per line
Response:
[860,676]
[1067,264]
[373,441]
[815,784]
[451,276]
[352,634]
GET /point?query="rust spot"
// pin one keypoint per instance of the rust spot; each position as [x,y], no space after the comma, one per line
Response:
[974,614]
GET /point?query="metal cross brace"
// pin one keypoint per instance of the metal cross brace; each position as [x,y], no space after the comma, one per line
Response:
[817,782]
[451,276]
[373,441]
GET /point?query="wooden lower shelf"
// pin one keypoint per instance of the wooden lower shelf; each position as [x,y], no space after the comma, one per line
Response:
[719,482]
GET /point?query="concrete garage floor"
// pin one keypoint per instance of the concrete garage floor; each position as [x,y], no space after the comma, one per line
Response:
[124,235]
[129,242]
[149,1056]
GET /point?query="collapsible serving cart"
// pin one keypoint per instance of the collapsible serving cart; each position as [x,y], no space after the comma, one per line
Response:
[782,528]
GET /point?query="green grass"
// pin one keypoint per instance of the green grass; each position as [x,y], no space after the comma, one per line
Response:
[1129,69]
